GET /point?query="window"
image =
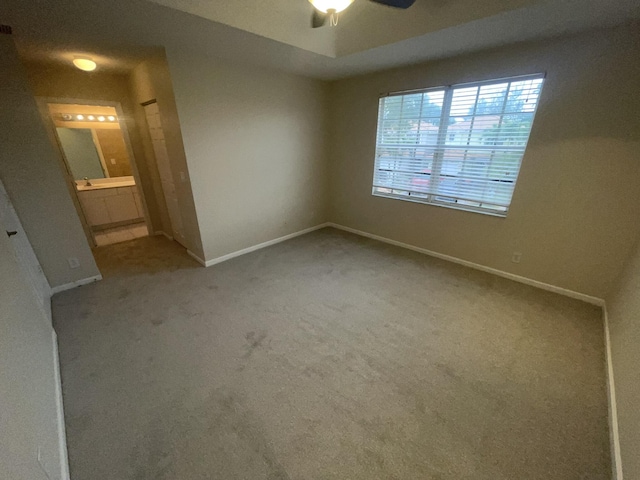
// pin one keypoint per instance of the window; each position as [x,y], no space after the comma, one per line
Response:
[458,146]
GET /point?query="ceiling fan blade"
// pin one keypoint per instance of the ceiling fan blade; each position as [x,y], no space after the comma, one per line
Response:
[396,3]
[318,19]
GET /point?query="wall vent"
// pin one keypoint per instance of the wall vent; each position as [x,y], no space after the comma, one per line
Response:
[6,29]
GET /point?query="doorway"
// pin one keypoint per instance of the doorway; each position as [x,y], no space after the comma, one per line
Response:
[101,171]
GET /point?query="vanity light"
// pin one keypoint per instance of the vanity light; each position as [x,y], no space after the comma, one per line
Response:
[90,118]
[85,64]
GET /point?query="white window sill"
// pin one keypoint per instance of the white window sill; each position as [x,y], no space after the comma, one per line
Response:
[406,198]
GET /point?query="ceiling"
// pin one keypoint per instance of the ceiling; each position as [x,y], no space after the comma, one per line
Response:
[276,33]
[362,26]
[286,21]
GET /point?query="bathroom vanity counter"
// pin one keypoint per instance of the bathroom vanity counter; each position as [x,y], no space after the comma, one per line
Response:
[109,203]
[101,183]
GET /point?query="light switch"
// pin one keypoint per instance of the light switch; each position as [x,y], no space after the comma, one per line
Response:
[113,161]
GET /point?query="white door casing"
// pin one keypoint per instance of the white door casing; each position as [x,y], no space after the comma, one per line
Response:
[164,169]
[30,266]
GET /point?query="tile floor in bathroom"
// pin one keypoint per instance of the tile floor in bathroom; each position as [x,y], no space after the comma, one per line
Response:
[121,234]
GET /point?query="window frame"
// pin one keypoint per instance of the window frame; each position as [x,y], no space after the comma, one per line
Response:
[441,143]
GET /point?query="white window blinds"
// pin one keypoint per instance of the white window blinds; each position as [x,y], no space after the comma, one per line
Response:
[458,146]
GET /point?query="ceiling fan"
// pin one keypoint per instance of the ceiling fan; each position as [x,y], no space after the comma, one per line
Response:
[329,9]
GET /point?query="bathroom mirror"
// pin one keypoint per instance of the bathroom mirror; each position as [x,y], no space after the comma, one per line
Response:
[81,153]
[92,143]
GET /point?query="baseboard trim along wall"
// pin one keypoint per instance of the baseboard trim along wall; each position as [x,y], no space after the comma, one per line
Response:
[77,283]
[259,246]
[616,459]
[614,434]
[511,276]
[197,258]
[613,414]
[62,435]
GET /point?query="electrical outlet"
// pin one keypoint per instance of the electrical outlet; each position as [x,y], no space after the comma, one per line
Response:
[113,161]
[516,257]
[183,177]
[73,262]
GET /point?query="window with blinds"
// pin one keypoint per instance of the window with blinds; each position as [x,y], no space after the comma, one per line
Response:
[458,146]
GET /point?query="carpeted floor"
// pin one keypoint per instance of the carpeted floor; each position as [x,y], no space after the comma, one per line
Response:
[326,357]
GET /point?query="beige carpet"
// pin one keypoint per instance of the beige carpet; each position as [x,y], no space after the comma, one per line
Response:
[326,357]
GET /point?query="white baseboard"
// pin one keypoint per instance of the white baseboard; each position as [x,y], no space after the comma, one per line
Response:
[616,459]
[77,283]
[613,414]
[196,258]
[259,246]
[614,434]
[62,435]
[511,276]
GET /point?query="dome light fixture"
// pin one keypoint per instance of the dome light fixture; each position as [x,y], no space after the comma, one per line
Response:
[91,117]
[331,6]
[101,118]
[111,118]
[79,117]
[330,9]
[85,64]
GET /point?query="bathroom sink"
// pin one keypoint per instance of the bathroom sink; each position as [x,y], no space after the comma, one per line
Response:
[100,183]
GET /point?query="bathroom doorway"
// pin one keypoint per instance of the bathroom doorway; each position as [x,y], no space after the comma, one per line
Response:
[100,169]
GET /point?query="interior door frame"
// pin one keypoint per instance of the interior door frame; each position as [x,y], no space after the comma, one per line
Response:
[43,103]
[180,238]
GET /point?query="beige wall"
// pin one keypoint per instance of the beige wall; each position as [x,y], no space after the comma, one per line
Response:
[58,81]
[255,144]
[575,208]
[114,152]
[31,174]
[29,387]
[623,306]
[151,80]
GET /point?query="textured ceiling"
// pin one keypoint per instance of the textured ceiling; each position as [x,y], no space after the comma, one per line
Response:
[276,33]
[286,21]
[362,26]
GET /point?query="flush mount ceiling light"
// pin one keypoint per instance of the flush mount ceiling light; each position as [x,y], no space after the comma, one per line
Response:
[329,9]
[85,64]
[325,6]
